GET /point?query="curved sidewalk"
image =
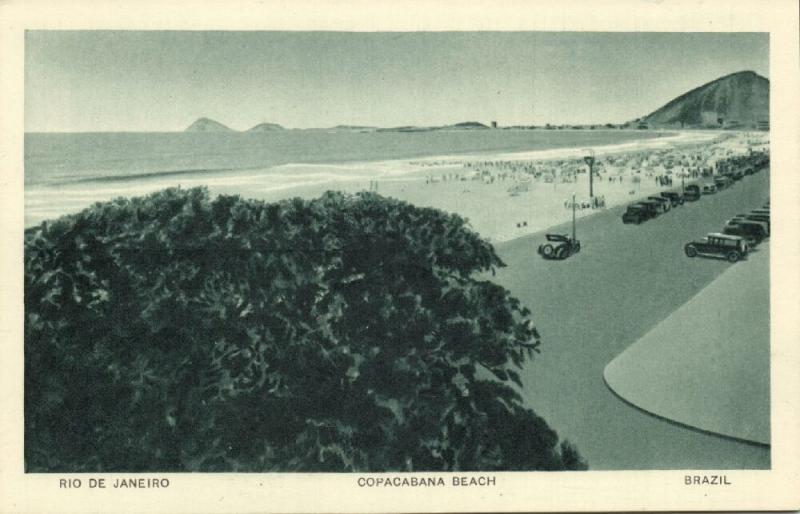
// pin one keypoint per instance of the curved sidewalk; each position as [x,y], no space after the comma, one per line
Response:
[707,364]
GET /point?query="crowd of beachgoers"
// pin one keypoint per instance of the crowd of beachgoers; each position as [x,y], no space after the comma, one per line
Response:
[503,195]
[508,195]
[661,167]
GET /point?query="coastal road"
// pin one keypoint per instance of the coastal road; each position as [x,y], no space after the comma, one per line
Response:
[592,306]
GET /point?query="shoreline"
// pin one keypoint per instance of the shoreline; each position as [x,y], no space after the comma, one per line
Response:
[492,212]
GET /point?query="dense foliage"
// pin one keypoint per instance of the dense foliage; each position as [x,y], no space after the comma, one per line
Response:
[176,332]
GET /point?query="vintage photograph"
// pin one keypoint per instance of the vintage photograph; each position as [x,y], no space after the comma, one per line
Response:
[317,251]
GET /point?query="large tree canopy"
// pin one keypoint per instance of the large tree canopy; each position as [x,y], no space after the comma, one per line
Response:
[175,332]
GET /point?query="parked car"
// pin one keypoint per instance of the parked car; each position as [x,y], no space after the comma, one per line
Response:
[709,189]
[656,208]
[741,218]
[651,208]
[759,217]
[715,244]
[691,193]
[674,197]
[637,213]
[666,205]
[753,233]
[722,182]
[734,175]
[559,246]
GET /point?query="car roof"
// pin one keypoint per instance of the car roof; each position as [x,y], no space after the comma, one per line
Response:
[749,223]
[556,237]
[723,236]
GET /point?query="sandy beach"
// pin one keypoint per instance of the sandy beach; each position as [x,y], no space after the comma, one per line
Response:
[503,195]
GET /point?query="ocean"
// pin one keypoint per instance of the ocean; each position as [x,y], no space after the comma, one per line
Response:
[66,172]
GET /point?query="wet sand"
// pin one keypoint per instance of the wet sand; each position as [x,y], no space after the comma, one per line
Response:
[492,211]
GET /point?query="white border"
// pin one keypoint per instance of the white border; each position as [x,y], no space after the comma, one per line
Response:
[589,491]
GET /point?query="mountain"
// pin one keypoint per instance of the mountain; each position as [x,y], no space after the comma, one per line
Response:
[738,100]
[265,127]
[468,125]
[207,125]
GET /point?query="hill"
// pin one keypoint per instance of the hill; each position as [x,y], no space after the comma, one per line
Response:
[207,125]
[738,100]
[353,127]
[265,127]
[466,125]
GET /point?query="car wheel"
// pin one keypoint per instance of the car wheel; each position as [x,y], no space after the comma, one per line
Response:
[547,250]
[577,247]
[733,256]
[691,251]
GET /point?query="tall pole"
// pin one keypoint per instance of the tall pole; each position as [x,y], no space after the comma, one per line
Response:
[573,216]
[590,161]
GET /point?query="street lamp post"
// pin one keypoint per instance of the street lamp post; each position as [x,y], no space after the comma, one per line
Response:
[590,161]
[573,216]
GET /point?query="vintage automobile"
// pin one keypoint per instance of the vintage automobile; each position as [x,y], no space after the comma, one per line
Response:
[715,244]
[692,193]
[753,216]
[742,218]
[709,189]
[666,204]
[722,182]
[559,246]
[753,233]
[654,207]
[637,213]
[735,175]
[674,197]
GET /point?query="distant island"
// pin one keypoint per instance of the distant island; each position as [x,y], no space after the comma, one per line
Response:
[354,127]
[466,125]
[736,101]
[208,125]
[265,127]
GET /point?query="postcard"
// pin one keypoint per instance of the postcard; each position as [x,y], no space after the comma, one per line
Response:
[400,256]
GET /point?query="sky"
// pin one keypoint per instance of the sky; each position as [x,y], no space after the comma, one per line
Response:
[96,81]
